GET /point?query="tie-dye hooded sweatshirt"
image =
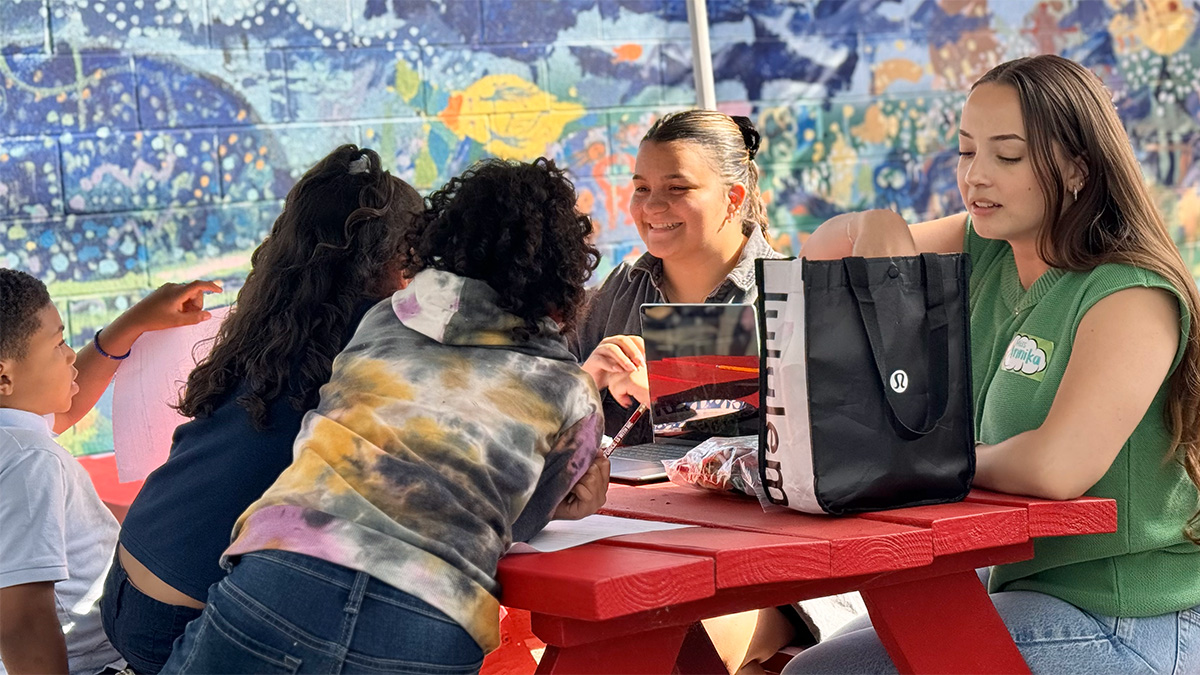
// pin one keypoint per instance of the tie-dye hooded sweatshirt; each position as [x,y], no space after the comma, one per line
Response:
[442,436]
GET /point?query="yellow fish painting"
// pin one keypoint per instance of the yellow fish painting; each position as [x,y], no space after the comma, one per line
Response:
[512,117]
[1163,26]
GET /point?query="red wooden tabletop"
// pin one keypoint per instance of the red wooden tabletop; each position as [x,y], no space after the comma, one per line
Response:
[628,603]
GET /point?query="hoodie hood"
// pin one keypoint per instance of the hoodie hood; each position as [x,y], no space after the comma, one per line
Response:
[460,311]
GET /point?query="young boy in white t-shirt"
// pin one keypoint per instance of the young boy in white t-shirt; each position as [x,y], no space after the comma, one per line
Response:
[56,536]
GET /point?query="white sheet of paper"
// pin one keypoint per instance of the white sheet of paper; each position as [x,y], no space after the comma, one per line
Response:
[561,534]
[145,387]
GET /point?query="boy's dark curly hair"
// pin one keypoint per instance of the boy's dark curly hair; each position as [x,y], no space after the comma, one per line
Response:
[21,298]
[514,226]
[337,243]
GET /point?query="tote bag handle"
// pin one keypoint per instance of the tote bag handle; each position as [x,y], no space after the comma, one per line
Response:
[939,344]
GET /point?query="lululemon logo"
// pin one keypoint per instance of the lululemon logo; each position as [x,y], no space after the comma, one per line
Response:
[899,381]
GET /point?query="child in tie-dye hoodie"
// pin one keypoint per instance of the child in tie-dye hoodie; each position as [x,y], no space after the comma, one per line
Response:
[455,421]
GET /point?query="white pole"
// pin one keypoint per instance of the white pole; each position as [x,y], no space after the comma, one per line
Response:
[706,90]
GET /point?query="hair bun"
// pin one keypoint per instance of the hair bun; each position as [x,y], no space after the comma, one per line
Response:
[750,135]
[360,165]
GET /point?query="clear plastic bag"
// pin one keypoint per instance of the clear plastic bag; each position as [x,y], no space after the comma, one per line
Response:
[719,464]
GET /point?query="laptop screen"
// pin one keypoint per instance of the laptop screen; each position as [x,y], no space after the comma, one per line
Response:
[702,362]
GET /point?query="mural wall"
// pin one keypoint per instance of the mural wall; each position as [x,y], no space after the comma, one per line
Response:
[143,141]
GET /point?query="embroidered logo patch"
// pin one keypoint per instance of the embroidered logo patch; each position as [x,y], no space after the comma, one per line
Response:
[1028,355]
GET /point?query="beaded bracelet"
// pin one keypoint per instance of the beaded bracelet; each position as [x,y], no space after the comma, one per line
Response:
[96,344]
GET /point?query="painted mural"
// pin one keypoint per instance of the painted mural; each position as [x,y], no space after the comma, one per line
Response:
[143,141]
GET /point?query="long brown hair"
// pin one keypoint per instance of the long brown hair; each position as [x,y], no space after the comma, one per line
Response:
[731,143]
[336,244]
[1113,220]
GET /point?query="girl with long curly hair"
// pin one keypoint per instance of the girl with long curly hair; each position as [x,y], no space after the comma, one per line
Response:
[332,253]
[455,421]
[1085,344]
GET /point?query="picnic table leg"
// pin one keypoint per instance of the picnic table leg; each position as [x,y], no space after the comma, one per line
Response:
[943,624]
[645,653]
[514,655]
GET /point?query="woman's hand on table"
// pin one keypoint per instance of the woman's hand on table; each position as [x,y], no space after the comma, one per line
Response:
[588,495]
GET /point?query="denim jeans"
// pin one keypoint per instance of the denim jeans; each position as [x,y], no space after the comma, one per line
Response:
[1054,637]
[141,628]
[280,612]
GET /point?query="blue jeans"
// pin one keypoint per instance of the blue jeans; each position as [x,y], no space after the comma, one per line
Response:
[1054,637]
[141,628]
[280,612]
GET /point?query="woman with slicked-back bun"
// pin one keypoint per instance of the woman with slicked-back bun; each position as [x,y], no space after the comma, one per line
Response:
[698,210]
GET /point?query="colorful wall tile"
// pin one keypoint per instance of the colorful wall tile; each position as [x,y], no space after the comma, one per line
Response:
[151,140]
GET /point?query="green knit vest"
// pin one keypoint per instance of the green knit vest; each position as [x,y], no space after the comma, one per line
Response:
[1020,343]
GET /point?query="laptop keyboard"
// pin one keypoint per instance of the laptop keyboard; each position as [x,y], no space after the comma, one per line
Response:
[653,452]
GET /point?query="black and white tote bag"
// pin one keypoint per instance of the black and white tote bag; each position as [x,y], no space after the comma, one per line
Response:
[866,382]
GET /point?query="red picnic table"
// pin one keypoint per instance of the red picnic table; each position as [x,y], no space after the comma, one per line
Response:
[632,604]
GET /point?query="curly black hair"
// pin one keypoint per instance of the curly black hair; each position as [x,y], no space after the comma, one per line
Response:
[338,243]
[513,225]
[21,298]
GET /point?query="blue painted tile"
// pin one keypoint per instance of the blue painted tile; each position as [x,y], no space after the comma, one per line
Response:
[728,20]
[29,180]
[88,315]
[128,25]
[414,151]
[799,68]
[931,18]
[833,17]
[625,131]
[869,129]
[1088,17]
[609,76]
[522,21]
[469,82]
[264,162]
[101,250]
[789,133]
[50,94]
[206,243]
[678,79]
[415,23]
[614,254]
[893,67]
[582,147]
[934,186]
[193,89]
[25,27]
[328,85]
[238,24]
[641,19]
[123,171]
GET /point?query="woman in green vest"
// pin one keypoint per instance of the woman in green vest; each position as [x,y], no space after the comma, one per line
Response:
[1086,372]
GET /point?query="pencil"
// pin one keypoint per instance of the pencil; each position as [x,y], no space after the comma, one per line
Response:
[739,369]
[616,441]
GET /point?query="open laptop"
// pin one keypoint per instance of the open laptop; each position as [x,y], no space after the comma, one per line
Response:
[702,361]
